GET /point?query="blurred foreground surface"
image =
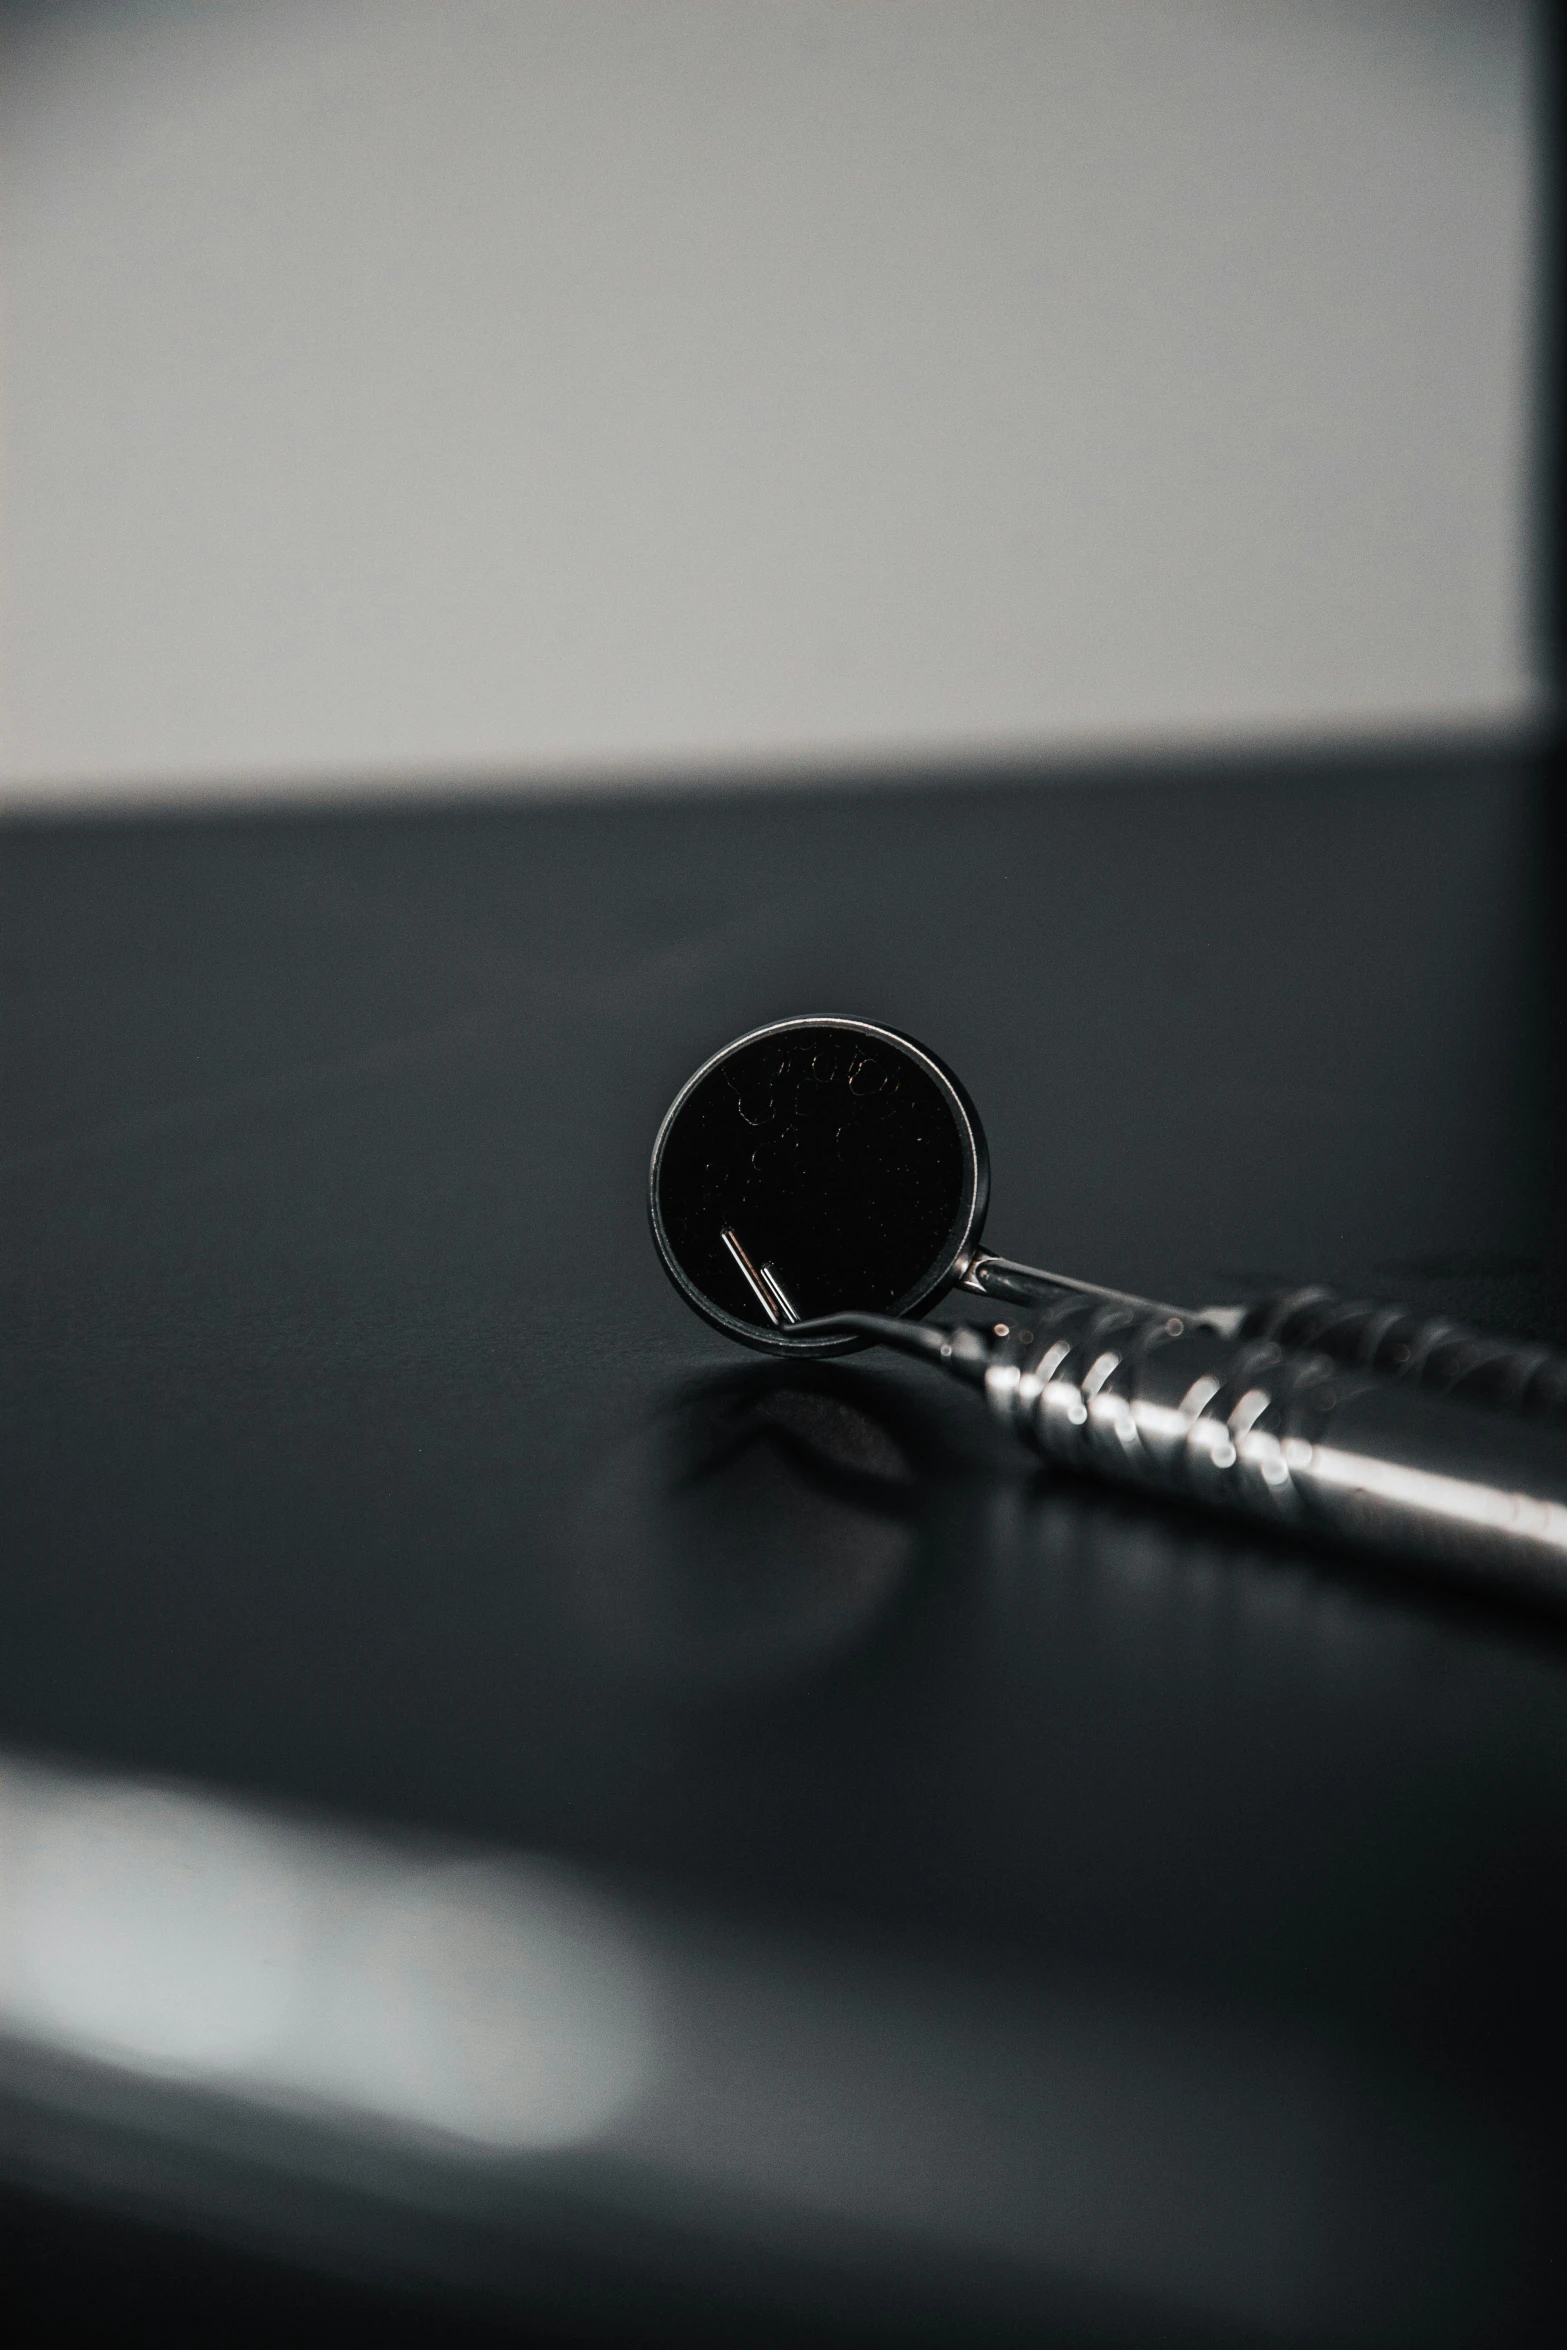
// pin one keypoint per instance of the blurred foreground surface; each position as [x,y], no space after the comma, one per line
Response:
[523,1822]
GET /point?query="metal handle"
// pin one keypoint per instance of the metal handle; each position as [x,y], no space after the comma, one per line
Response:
[1419,1350]
[1156,1401]
[1425,1351]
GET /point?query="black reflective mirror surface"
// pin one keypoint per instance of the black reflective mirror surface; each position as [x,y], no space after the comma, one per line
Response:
[813,1167]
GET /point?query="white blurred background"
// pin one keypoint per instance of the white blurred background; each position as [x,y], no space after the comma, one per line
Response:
[410,394]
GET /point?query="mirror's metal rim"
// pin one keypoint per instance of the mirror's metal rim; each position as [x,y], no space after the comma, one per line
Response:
[914,1302]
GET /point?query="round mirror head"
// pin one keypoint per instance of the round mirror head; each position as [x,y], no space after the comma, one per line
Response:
[817,1167]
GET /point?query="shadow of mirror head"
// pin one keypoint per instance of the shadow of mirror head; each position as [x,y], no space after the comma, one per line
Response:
[755,1530]
[817,1166]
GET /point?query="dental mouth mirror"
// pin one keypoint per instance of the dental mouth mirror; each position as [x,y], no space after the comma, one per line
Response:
[820,1183]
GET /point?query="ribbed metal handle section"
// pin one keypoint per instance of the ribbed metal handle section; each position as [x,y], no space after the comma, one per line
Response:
[1289,1439]
[1420,1350]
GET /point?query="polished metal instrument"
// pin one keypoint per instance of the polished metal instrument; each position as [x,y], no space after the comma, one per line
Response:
[819,1184]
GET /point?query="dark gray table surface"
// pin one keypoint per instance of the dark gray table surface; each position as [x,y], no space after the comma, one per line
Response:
[359,1456]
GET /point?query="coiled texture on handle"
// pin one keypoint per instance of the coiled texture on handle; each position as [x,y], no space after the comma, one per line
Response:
[1291,1439]
[1421,1350]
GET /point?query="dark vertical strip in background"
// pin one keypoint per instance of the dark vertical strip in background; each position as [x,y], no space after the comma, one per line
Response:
[1549,549]
[1548,523]
[1543,550]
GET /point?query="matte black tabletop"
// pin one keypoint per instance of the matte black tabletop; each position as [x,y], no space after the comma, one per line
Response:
[363,1467]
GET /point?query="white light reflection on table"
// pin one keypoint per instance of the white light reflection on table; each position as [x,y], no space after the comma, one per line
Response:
[170,1936]
[188,1984]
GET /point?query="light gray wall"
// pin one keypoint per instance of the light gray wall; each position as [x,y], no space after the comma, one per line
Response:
[555,387]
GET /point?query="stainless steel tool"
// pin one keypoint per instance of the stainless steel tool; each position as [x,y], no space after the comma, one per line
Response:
[820,1183]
